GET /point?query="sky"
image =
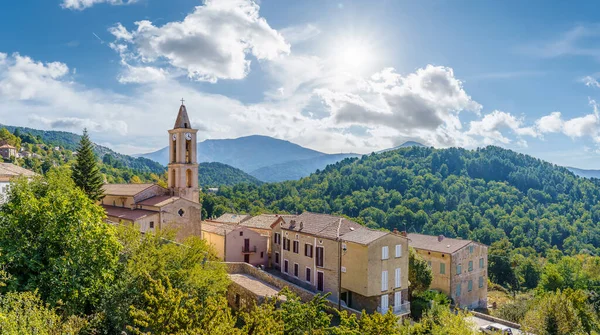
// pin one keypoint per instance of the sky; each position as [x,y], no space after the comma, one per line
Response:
[334,76]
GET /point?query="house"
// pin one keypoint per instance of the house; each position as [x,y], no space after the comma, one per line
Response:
[262,225]
[152,206]
[7,173]
[234,243]
[7,151]
[366,269]
[232,218]
[459,267]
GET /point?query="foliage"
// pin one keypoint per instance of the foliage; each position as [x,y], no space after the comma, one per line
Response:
[216,174]
[424,301]
[24,313]
[441,321]
[7,138]
[419,274]
[515,310]
[86,174]
[554,314]
[53,239]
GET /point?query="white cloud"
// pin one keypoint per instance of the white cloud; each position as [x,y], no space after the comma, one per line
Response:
[300,33]
[142,74]
[552,123]
[590,81]
[83,4]
[578,127]
[491,125]
[76,124]
[211,43]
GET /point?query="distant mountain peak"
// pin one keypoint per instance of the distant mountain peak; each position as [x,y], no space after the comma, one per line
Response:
[410,144]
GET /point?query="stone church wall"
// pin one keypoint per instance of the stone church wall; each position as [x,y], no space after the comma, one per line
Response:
[188,224]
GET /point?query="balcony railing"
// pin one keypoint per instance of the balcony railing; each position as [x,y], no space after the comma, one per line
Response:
[248,250]
[402,309]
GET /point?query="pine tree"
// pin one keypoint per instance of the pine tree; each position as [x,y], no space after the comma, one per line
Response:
[86,174]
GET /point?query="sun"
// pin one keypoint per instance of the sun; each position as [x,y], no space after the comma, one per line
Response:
[352,54]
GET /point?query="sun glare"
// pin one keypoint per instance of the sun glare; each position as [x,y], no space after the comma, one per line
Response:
[352,55]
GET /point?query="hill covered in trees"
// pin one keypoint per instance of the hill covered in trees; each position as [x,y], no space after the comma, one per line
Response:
[217,174]
[486,195]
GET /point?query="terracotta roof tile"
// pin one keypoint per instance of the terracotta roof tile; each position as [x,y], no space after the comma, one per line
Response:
[264,221]
[323,225]
[217,228]
[232,218]
[126,213]
[125,189]
[158,201]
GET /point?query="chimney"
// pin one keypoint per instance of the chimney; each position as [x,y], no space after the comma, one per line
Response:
[403,233]
[440,238]
[301,225]
[395,231]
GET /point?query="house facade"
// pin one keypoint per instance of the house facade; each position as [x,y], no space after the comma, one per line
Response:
[236,243]
[7,151]
[8,172]
[459,268]
[366,269]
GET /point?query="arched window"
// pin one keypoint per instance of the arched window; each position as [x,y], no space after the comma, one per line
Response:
[174,151]
[188,153]
[188,177]
[173,175]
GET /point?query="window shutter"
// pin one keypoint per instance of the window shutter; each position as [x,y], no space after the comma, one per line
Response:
[398,250]
[384,252]
[384,280]
[397,278]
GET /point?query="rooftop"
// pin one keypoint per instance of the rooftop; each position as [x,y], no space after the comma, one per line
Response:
[232,218]
[8,171]
[217,227]
[264,221]
[7,146]
[183,121]
[158,201]
[436,243]
[323,225]
[125,189]
[124,213]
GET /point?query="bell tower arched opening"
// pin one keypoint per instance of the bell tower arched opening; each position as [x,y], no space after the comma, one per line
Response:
[188,153]
[188,178]
[174,151]
[173,180]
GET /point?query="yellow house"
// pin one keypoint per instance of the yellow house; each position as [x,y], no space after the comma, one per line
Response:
[365,269]
[459,267]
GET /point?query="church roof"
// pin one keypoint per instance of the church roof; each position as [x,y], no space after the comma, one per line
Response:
[125,189]
[183,121]
[158,201]
[124,213]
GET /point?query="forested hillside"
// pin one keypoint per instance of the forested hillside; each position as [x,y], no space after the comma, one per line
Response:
[486,195]
[217,174]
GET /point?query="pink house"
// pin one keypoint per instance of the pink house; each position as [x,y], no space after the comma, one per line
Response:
[233,243]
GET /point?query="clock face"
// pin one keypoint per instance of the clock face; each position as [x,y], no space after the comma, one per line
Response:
[174,137]
[188,136]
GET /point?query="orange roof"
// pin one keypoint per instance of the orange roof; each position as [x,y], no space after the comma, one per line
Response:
[123,213]
[7,146]
[125,189]
[158,201]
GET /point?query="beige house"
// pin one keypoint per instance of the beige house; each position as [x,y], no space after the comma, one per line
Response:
[235,243]
[154,207]
[459,268]
[262,225]
[367,269]
[7,151]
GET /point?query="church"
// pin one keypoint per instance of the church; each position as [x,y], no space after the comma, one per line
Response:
[153,207]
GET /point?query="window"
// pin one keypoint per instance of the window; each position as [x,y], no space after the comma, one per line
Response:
[384,280]
[319,256]
[285,265]
[308,250]
[398,250]
[470,266]
[429,263]
[471,248]
[287,245]
[481,263]
[470,285]
[151,224]
[384,303]
[458,290]
[397,277]
[181,212]
[296,246]
[296,270]
[458,269]
[384,252]
[442,268]
[262,254]
[276,258]
[241,233]
[308,277]
[480,281]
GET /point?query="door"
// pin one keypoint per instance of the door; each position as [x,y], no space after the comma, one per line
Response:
[397,300]
[247,258]
[320,281]
[246,245]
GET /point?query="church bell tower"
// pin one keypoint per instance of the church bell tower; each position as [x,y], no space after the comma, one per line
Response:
[183,160]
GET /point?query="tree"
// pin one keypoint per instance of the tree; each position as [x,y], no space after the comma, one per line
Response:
[500,266]
[419,274]
[86,174]
[53,239]
[553,314]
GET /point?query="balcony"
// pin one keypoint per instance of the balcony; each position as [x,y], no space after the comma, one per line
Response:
[248,250]
[399,310]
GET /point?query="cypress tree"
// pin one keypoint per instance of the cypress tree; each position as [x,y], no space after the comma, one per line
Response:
[86,173]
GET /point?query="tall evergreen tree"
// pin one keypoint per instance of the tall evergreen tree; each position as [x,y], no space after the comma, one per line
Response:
[86,174]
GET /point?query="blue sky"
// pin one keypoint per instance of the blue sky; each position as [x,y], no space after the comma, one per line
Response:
[335,76]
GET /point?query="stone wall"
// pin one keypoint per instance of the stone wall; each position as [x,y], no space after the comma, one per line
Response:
[305,295]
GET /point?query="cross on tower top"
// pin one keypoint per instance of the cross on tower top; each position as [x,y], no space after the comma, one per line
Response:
[182,101]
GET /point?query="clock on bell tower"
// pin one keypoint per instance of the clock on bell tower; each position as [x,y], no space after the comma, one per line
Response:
[183,161]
